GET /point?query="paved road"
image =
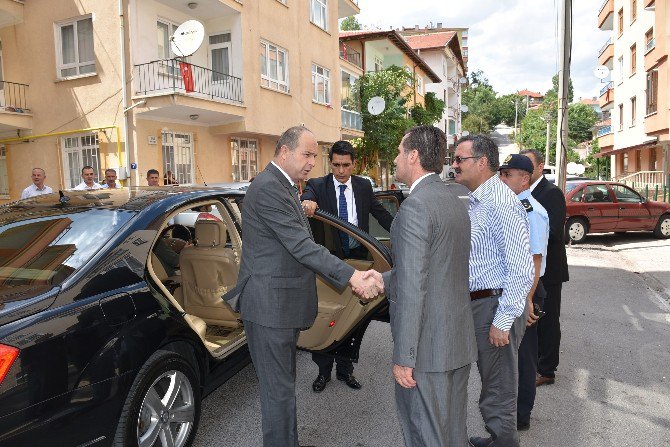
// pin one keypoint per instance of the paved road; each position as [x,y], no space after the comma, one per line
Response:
[613,386]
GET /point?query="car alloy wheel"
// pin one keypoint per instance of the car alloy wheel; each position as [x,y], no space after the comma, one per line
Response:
[576,230]
[662,229]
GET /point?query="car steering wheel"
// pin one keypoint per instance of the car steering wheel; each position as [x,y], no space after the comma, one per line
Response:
[177,236]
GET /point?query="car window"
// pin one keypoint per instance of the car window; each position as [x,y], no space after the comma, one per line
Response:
[46,251]
[578,196]
[570,186]
[624,194]
[392,205]
[596,194]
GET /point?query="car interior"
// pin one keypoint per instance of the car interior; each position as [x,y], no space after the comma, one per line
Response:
[195,266]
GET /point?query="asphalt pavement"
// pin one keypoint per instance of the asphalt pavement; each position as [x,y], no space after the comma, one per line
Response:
[612,388]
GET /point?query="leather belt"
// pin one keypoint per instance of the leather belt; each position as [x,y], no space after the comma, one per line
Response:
[485,293]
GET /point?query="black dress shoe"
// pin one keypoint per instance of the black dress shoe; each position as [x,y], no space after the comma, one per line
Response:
[320,383]
[522,426]
[350,380]
[477,441]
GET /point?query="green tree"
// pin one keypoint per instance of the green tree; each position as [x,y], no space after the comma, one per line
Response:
[581,119]
[475,124]
[505,109]
[597,168]
[533,133]
[480,98]
[430,113]
[552,93]
[350,24]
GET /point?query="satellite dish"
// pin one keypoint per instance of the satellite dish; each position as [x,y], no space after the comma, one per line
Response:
[463,80]
[376,105]
[601,72]
[464,108]
[465,133]
[187,38]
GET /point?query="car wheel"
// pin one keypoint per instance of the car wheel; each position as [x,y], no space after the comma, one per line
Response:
[662,229]
[163,405]
[575,230]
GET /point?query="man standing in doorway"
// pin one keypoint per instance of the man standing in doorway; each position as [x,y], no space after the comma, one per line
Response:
[501,276]
[38,187]
[89,184]
[351,198]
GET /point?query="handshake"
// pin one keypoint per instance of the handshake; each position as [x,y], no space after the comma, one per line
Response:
[367,285]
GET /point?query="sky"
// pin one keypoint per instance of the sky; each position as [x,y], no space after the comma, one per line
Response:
[514,42]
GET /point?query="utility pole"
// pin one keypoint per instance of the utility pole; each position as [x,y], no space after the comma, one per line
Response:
[516,114]
[565,50]
[546,147]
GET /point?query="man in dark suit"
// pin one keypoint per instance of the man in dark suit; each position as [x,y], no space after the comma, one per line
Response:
[276,289]
[352,199]
[549,327]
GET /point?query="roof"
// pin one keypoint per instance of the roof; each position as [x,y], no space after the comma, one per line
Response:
[526,92]
[589,101]
[399,42]
[431,41]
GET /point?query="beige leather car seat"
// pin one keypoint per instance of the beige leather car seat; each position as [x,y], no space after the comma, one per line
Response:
[208,270]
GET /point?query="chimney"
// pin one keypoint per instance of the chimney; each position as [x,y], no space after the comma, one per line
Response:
[439,24]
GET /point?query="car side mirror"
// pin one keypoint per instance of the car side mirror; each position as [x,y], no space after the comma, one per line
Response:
[643,199]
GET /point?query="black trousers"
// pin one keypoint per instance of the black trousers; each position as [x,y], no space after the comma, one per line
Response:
[528,359]
[549,331]
[325,363]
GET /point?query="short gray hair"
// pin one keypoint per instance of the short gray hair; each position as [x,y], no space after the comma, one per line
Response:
[110,170]
[483,146]
[431,144]
[538,156]
[290,138]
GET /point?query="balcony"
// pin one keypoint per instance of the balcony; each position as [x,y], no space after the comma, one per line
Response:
[346,8]
[352,120]
[605,137]
[606,99]
[350,55]
[14,111]
[606,16]
[11,12]
[649,5]
[606,54]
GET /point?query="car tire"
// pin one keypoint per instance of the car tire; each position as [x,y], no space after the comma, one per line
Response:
[153,409]
[662,229]
[575,230]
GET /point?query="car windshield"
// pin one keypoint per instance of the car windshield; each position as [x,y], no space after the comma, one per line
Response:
[570,186]
[46,250]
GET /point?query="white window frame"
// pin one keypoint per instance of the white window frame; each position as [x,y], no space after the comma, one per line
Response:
[322,74]
[4,175]
[353,77]
[247,149]
[81,149]
[178,156]
[419,84]
[266,79]
[171,28]
[77,65]
[320,19]
[378,63]
[410,79]
[217,46]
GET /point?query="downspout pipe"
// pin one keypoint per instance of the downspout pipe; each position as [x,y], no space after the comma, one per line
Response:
[124,87]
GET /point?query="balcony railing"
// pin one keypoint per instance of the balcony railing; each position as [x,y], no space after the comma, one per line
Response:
[351,120]
[13,97]
[171,75]
[650,44]
[350,55]
[602,6]
[607,87]
[604,47]
[604,131]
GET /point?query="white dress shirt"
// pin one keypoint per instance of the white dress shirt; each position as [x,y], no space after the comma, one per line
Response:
[32,191]
[535,183]
[352,217]
[84,187]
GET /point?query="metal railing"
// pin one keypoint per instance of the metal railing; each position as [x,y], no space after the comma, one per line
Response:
[350,55]
[165,76]
[13,97]
[604,131]
[650,44]
[602,6]
[607,87]
[604,47]
[351,120]
[653,185]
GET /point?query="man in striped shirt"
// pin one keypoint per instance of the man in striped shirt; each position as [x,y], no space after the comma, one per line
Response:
[501,276]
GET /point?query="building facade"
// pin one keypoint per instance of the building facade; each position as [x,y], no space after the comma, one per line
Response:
[106,89]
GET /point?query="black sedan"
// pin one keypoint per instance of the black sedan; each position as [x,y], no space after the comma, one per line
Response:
[112,328]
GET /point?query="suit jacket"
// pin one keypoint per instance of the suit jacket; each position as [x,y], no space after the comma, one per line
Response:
[322,191]
[277,284]
[552,199]
[428,290]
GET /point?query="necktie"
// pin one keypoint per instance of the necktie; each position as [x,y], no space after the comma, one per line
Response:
[296,188]
[344,215]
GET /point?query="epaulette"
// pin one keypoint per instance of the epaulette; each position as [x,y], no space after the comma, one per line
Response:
[526,204]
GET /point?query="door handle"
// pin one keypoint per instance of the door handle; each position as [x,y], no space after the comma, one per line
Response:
[591,208]
[622,207]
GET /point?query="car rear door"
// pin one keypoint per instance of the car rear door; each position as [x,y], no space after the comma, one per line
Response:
[599,208]
[633,214]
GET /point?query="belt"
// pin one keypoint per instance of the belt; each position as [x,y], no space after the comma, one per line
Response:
[485,293]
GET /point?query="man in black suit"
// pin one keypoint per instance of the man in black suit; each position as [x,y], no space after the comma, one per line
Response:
[351,198]
[549,327]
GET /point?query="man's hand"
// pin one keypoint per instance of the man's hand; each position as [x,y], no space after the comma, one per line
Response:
[498,337]
[532,317]
[366,285]
[379,280]
[309,207]
[403,375]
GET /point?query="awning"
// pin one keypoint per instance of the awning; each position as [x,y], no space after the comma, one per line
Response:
[646,145]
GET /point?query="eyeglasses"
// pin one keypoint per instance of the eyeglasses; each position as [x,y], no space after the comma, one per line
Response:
[341,165]
[458,160]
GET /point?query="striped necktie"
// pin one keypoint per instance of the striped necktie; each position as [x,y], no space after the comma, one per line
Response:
[344,215]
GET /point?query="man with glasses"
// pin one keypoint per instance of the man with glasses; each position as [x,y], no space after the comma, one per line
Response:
[501,276]
[351,198]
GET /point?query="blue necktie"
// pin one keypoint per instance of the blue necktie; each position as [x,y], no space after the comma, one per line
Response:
[344,215]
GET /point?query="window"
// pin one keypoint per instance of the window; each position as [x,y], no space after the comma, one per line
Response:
[178,156]
[649,41]
[325,150]
[620,69]
[319,13]
[633,10]
[379,63]
[626,195]
[219,51]
[320,84]
[74,47]
[444,66]
[419,84]
[80,151]
[410,76]
[652,92]
[633,107]
[620,116]
[244,154]
[465,52]
[620,17]
[350,97]
[4,178]
[596,193]
[625,163]
[165,29]
[633,59]
[274,67]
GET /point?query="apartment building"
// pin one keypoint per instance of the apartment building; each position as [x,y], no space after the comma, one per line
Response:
[441,50]
[533,99]
[634,131]
[212,117]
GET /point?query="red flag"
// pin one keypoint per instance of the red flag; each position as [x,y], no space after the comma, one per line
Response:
[187,76]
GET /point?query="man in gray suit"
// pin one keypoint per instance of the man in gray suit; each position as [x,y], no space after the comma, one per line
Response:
[431,319]
[276,289]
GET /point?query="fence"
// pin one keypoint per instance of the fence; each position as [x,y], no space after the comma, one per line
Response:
[657,191]
[13,97]
[349,54]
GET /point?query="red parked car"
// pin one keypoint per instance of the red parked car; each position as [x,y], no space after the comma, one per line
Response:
[601,207]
